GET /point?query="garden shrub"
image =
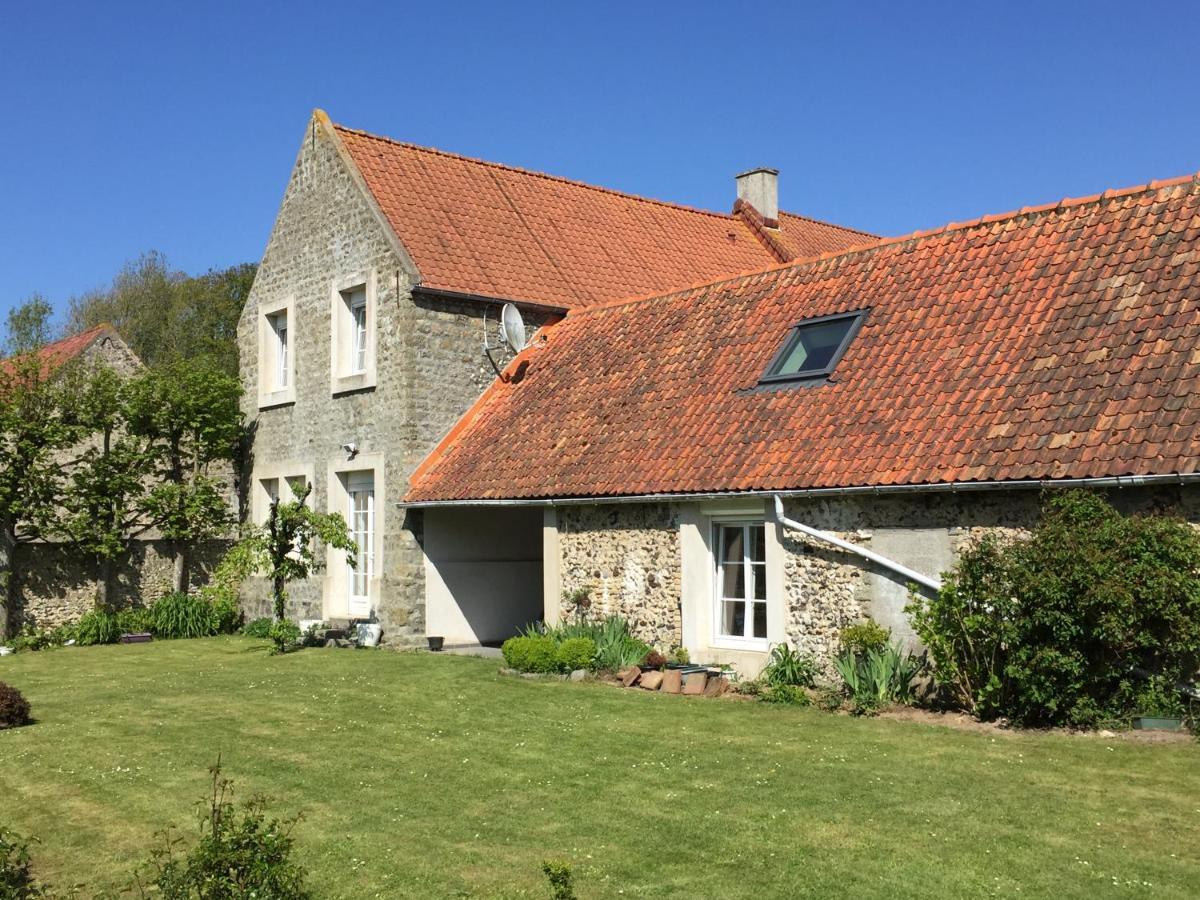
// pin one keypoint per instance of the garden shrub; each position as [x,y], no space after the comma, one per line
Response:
[787,667]
[33,638]
[575,653]
[182,616]
[241,853]
[97,627]
[135,620]
[864,636]
[790,694]
[616,648]
[16,869]
[258,628]
[878,677]
[285,634]
[226,614]
[14,708]
[654,660]
[531,653]
[1078,624]
[562,881]
[680,655]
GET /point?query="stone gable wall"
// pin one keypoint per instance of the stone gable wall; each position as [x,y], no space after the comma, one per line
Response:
[429,370]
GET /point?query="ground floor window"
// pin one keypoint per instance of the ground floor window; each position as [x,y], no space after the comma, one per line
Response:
[360,489]
[741,573]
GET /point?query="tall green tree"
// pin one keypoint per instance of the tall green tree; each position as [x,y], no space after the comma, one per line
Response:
[36,429]
[102,510]
[187,414]
[28,326]
[165,315]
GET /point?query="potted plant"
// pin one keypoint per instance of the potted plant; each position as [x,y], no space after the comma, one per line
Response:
[435,642]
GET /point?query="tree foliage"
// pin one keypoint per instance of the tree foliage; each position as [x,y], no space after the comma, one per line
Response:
[28,326]
[1094,617]
[165,315]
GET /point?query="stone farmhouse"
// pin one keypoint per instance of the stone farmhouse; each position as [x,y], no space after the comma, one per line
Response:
[734,429]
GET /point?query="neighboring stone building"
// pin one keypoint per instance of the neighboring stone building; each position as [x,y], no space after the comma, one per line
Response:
[904,396]
[51,583]
[362,338]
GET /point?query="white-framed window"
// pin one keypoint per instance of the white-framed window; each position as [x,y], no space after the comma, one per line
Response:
[358,315]
[276,354]
[360,491]
[352,333]
[279,326]
[741,582]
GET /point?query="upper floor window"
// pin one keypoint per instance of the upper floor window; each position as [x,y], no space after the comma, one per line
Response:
[277,353]
[352,333]
[279,325]
[814,347]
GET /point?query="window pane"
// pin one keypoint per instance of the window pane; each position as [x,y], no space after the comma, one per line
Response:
[733,618]
[733,582]
[731,543]
[758,543]
[760,620]
[813,347]
[759,574]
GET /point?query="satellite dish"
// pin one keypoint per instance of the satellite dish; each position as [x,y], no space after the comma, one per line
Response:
[512,328]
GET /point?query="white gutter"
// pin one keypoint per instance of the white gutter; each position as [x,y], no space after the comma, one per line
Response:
[931,583]
[953,487]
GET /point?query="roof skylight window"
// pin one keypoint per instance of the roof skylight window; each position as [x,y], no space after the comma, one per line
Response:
[814,347]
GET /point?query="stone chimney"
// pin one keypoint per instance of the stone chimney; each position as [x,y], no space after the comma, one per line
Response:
[760,188]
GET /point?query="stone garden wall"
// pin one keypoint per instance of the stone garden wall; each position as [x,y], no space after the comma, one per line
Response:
[56,586]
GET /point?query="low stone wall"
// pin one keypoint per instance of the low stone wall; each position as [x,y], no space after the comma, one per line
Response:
[55,586]
[627,557]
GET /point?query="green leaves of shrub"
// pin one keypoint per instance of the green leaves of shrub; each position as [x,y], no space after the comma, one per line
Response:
[14,709]
[787,667]
[258,628]
[531,653]
[878,677]
[183,616]
[575,653]
[1064,627]
[285,634]
[16,869]
[97,627]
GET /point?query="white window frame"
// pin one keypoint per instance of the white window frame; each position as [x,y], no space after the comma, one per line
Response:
[339,600]
[351,346]
[361,483]
[276,359]
[753,570]
[283,476]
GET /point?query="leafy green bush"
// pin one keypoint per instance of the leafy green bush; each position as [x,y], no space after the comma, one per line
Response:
[182,616]
[531,653]
[258,628]
[791,694]
[751,687]
[562,882]
[864,636]
[878,677]
[1065,627]
[16,869]
[285,634]
[241,853]
[616,648]
[33,638]
[575,653]
[680,655]
[97,627]
[226,614]
[787,667]
[14,708]
[135,620]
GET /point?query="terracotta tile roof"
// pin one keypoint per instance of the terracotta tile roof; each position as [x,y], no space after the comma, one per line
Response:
[1054,342]
[59,352]
[493,230]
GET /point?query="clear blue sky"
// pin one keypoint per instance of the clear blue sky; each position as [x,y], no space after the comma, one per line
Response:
[133,126]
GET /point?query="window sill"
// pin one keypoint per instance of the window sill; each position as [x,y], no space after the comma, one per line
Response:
[749,645]
[359,381]
[277,398]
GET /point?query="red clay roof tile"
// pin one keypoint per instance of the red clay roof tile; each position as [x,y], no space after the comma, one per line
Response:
[483,228]
[1050,344]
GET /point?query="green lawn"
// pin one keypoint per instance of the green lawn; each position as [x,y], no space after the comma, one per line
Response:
[432,776]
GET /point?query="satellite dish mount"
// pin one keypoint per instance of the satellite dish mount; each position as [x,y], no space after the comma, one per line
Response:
[512,333]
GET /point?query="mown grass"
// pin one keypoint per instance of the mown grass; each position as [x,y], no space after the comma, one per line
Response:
[429,776]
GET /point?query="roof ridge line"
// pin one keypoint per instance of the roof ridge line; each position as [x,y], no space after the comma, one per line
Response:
[1064,203]
[784,212]
[559,178]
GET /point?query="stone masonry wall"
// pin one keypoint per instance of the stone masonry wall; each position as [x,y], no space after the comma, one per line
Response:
[429,370]
[627,557]
[56,586]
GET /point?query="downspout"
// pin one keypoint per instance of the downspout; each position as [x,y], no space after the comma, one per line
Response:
[924,580]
